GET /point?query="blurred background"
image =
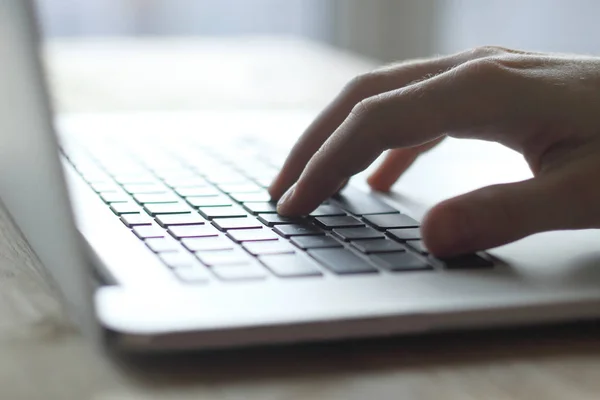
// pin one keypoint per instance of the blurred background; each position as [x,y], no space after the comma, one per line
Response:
[376,30]
[384,29]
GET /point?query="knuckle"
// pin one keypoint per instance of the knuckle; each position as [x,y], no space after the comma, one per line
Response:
[365,85]
[487,51]
[366,107]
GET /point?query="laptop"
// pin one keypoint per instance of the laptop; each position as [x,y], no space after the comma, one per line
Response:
[161,237]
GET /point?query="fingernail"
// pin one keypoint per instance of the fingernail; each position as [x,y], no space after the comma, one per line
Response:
[284,200]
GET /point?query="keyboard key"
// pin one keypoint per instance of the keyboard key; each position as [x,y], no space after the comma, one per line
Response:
[241,188]
[185,182]
[389,221]
[136,188]
[400,262]
[145,178]
[250,271]
[306,229]
[166,220]
[342,261]
[328,210]
[136,219]
[288,266]
[236,223]
[144,198]
[178,259]
[115,197]
[222,212]
[167,208]
[361,203]
[315,242]
[377,246]
[364,232]
[209,201]
[188,231]
[148,231]
[251,197]
[194,274]
[417,245]
[467,261]
[339,222]
[269,247]
[225,257]
[405,234]
[197,191]
[264,181]
[259,208]
[252,235]
[276,219]
[105,187]
[225,178]
[125,208]
[162,245]
[208,244]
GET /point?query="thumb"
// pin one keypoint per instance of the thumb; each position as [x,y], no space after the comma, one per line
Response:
[500,214]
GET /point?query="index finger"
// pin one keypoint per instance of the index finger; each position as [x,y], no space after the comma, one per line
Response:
[452,101]
[362,87]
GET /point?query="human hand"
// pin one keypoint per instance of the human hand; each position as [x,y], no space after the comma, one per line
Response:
[547,107]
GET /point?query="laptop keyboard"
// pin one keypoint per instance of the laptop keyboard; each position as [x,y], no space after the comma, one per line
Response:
[208,217]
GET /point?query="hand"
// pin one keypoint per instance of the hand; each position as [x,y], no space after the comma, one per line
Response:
[545,106]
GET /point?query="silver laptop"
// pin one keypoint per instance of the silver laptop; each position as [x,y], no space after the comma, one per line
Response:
[162,237]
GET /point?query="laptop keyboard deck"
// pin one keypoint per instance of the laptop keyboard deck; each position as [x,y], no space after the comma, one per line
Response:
[208,217]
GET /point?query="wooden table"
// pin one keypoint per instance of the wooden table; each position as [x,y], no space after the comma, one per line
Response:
[41,357]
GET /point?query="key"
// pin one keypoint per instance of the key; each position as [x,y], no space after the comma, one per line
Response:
[389,221]
[208,244]
[417,245]
[194,274]
[187,231]
[225,257]
[197,191]
[378,246]
[361,203]
[166,220]
[144,198]
[162,245]
[241,188]
[269,247]
[400,262]
[328,210]
[222,212]
[125,208]
[364,232]
[264,182]
[115,197]
[251,197]
[209,201]
[405,234]
[342,261]
[339,222]
[167,208]
[467,261]
[289,266]
[276,219]
[148,231]
[136,188]
[185,182]
[178,259]
[250,271]
[104,187]
[298,230]
[225,178]
[259,208]
[132,220]
[252,235]
[140,178]
[224,224]
[315,242]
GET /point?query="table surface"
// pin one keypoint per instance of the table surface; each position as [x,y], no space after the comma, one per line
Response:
[42,357]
